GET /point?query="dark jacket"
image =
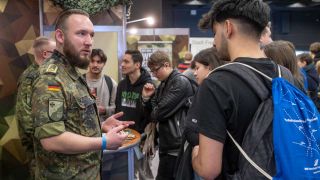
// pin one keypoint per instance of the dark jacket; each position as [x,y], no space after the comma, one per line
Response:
[316,58]
[313,82]
[128,100]
[190,138]
[169,110]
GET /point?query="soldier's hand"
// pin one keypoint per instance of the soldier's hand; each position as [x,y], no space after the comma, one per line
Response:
[115,138]
[148,90]
[112,122]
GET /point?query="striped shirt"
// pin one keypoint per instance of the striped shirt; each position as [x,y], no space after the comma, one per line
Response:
[183,66]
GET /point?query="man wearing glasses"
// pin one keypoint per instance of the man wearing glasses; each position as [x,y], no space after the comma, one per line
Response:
[168,109]
[43,48]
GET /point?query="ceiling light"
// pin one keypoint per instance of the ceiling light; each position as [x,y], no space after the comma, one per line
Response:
[195,2]
[297,5]
[150,20]
[133,31]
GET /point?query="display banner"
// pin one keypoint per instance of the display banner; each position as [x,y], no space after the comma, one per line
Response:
[148,47]
[198,44]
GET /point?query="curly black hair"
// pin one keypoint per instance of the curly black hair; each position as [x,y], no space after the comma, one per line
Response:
[253,15]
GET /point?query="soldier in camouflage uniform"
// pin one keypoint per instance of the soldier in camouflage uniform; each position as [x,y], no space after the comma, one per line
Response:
[43,48]
[67,133]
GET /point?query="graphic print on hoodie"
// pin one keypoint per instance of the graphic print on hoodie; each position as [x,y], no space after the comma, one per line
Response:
[128,100]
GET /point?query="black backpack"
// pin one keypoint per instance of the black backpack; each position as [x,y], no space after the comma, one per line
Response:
[109,84]
[258,138]
[194,84]
[183,167]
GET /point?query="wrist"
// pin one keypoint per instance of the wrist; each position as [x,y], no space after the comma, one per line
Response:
[104,142]
[145,98]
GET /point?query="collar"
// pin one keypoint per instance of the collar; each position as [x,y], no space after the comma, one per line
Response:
[173,73]
[71,70]
[35,65]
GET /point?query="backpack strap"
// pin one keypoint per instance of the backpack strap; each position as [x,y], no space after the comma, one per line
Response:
[250,77]
[110,87]
[248,158]
[193,83]
[254,69]
[279,71]
[109,84]
[254,81]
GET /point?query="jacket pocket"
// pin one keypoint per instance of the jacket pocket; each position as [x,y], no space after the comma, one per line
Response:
[88,122]
[170,131]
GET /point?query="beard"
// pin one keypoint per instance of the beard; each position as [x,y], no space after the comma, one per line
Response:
[223,50]
[129,71]
[73,57]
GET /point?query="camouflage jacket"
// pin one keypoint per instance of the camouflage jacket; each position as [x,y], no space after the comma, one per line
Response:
[23,109]
[61,102]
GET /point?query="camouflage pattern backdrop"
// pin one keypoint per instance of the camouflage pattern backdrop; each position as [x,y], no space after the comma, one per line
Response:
[19,26]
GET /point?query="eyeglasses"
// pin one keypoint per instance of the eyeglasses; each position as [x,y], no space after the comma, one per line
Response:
[155,70]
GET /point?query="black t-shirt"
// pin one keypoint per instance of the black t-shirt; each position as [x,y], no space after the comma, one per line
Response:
[224,101]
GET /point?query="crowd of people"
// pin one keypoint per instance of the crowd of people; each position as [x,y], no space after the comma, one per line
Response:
[66,119]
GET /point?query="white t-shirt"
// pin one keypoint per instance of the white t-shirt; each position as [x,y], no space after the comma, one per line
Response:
[103,95]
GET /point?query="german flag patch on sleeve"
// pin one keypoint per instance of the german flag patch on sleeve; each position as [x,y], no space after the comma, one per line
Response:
[54,87]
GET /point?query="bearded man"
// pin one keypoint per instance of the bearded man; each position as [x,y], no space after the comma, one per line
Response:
[67,136]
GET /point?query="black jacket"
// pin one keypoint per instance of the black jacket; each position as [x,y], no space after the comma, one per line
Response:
[128,100]
[169,110]
[190,138]
[316,58]
[313,82]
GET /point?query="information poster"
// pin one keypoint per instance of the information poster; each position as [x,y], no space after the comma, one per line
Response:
[148,47]
[198,44]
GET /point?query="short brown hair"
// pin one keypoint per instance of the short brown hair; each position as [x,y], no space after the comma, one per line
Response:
[188,56]
[63,16]
[208,57]
[40,43]
[305,57]
[315,47]
[158,58]
[100,53]
[283,53]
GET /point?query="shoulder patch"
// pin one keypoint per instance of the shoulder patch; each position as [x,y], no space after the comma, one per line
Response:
[56,109]
[52,69]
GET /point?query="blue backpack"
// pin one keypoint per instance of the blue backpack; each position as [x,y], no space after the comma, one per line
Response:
[296,133]
[283,139]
